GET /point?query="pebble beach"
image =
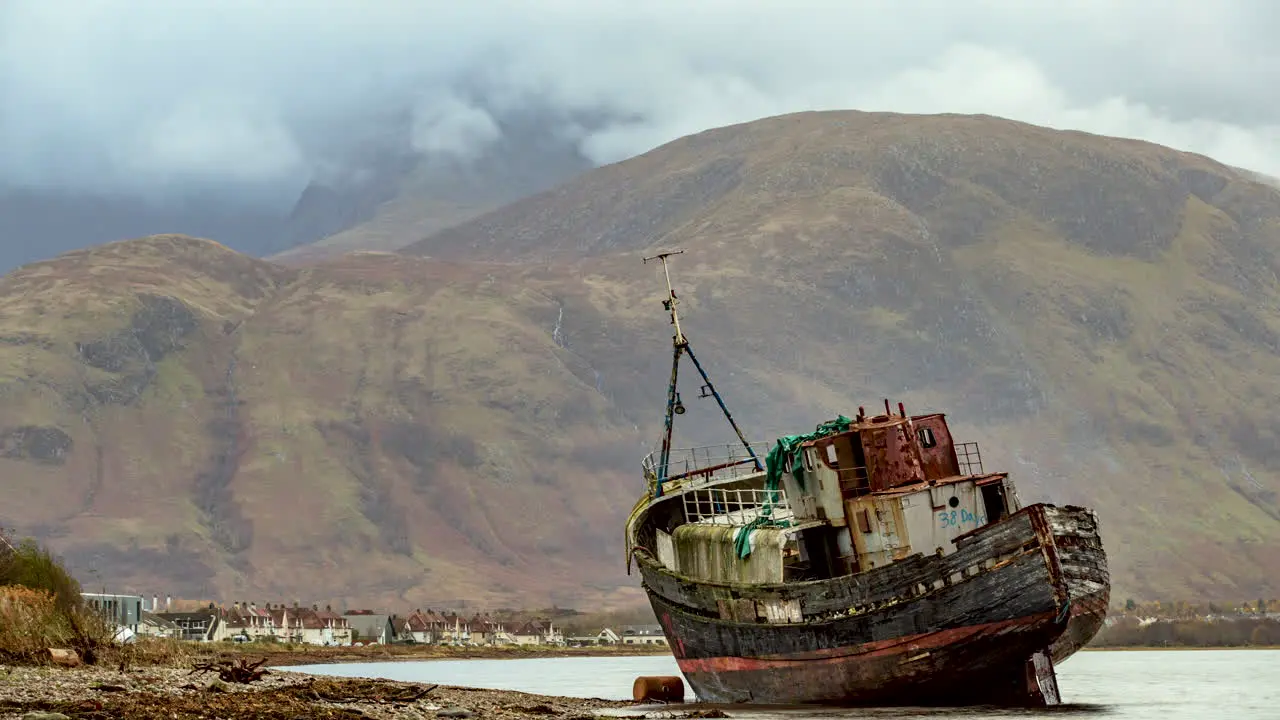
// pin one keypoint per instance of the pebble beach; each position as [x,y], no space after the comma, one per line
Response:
[171,693]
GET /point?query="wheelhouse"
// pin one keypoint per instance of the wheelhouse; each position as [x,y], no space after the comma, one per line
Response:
[864,493]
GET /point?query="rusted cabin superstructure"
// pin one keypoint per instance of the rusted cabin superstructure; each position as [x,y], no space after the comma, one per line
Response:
[871,561]
[879,563]
[887,487]
[880,491]
[892,485]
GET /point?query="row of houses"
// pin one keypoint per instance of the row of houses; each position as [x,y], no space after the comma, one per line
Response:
[248,622]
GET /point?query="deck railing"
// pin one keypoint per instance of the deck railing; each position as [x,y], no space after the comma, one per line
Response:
[711,462]
[733,506]
[970,459]
[724,462]
[854,480]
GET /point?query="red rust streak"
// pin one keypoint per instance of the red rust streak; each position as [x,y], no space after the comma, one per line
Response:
[904,644]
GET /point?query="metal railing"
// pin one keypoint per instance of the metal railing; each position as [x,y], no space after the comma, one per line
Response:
[969,458]
[711,462]
[854,480]
[734,506]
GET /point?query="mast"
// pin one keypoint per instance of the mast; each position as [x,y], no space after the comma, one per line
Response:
[680,346]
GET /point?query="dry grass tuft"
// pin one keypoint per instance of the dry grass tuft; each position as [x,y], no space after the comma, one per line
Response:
[32,621]
[29,623]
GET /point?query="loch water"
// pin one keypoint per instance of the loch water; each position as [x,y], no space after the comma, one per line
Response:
[1120,685]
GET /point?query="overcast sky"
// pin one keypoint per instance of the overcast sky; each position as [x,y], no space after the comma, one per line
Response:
[129,94]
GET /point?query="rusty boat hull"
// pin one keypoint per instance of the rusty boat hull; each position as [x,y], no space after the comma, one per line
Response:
[871,561]
[981,625]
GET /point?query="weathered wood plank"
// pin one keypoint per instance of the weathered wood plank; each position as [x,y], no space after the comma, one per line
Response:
[903,580]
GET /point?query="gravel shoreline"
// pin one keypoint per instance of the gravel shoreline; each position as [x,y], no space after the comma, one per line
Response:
[177,694]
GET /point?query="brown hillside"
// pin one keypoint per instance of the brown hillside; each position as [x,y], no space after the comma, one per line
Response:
[183,419]
[1100,313]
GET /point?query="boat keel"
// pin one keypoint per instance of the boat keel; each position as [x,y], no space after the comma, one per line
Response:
[1042,680]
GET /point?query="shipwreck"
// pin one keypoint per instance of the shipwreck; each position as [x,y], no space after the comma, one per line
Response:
[872,561]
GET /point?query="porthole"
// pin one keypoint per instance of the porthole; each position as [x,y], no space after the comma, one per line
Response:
[954,501]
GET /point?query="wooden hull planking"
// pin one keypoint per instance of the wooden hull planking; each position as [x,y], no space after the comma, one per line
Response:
[977,626]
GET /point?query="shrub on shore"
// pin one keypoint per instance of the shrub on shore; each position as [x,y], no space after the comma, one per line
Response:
[29,622]
[41,606]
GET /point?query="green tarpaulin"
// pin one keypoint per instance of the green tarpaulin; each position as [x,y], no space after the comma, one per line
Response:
[784,451]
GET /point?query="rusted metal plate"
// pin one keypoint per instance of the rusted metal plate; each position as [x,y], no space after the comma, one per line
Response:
[864,520]
[892,453]
[937,449]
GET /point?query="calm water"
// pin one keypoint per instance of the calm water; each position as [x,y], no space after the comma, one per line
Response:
[1229,684]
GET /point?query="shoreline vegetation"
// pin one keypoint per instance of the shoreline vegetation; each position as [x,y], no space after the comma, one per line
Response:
[41,608]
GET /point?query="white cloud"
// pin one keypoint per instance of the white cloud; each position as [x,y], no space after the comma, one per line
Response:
[445,125]
[233,137]
[104,90]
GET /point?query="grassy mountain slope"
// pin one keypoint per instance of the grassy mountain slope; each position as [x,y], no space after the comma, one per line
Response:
[388,429]
[1100,314]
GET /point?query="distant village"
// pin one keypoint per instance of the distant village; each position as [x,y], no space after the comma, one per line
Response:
[1184,624]
[135,617]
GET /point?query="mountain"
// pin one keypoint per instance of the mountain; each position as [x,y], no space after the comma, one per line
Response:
[1100,314]
[387,199]
[375,188]
[1261,177]
[182,418]
[37,224]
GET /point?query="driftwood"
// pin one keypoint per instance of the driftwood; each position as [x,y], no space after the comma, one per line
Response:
[350,691]
[239,671]
[66,658]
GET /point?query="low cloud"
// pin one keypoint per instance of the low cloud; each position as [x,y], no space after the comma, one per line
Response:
[445,125]
[134,95]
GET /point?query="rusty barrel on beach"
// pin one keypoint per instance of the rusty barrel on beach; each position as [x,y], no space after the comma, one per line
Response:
[658,688]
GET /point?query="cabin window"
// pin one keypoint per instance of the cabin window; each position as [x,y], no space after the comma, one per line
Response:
[807,454]
[831,455]
[927,440]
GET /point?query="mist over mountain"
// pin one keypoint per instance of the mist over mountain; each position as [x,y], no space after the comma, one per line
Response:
[390,157]
[268,126]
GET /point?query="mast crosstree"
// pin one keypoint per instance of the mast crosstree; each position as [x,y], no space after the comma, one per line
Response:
[680,346]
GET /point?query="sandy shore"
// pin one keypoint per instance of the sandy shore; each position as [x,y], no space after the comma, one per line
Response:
[312,655]
[167,693]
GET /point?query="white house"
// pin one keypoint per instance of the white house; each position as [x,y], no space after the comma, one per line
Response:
[643,635]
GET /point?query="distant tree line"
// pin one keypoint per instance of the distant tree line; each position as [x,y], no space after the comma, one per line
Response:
[1182,609]
[1240,631]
